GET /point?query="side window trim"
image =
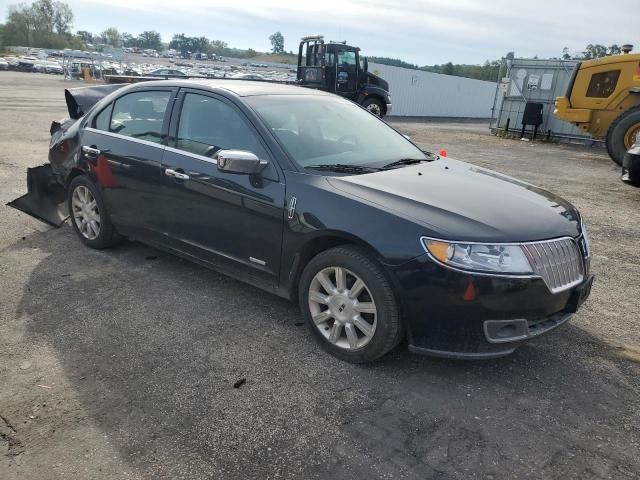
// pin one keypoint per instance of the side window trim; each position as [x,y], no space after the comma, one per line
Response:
[126,137]
[187,153]
[164,131]
[94,120]
[177,113]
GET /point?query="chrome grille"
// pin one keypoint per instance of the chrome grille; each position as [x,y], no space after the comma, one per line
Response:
[559,262]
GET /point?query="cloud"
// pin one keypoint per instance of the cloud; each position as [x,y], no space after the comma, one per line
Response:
[419,31]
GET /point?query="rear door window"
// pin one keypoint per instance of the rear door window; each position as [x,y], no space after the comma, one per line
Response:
[103,119]
[140,115]
[602,85]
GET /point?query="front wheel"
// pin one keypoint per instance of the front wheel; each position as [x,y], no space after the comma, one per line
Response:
[349,305]
[89,215]
[373,105]
[623,133]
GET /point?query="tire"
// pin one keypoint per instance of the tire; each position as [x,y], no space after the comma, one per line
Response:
[374,106]
[79,210]
[383,328]
[621,128]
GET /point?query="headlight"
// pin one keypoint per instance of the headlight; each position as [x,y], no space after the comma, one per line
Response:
[497,258]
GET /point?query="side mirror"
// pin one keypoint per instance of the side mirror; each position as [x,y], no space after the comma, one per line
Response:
[366,65]
[240,161]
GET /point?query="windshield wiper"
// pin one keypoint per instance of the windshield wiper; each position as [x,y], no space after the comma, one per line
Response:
[405,161]
[340,167]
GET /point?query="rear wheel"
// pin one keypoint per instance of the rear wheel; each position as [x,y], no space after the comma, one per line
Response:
[374,106]
[349,305]
[89,215]
[623,133]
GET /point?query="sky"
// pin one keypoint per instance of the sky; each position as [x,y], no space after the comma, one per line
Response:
[424,32]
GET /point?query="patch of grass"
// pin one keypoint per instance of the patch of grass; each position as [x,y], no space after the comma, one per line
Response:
[276,58]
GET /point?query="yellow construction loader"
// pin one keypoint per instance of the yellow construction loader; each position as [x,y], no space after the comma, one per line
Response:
[603,99]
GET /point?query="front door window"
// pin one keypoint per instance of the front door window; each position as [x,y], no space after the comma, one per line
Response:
[208,125]
[346,71]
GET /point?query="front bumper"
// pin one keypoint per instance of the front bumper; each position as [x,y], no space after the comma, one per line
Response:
[564,111]
[459,315]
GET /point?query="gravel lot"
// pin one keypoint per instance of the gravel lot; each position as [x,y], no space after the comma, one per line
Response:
[121,364]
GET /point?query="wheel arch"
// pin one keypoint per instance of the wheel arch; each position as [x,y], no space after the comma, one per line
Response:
[615,153]
[376,96]
[73,173]
[326,241]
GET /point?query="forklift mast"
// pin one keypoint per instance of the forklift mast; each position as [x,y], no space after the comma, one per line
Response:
[311,61]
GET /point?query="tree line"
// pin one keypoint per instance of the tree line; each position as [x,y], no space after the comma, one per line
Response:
[487,71]
[43,23]
[48,24]
[490,69]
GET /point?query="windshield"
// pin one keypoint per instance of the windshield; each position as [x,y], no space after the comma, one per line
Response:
[328,130]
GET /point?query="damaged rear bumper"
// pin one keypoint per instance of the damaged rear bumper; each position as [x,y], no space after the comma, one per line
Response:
[46,198]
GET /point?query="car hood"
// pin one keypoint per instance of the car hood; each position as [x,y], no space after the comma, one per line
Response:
[457,201]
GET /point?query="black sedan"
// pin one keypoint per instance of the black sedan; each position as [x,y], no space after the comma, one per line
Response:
[308,196]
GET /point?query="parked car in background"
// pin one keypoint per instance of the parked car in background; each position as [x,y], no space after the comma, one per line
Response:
[311,197]
[54,68]
[165,72]
[248,76]
[25,64]
[4,65]
[44,66]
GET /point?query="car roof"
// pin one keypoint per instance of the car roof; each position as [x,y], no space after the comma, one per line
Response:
[239,87]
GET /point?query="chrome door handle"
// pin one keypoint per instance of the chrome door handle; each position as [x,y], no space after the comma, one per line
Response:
[177,175]
[90,151]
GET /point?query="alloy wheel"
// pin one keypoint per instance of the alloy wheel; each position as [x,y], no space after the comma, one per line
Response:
[85,212]
[342,308]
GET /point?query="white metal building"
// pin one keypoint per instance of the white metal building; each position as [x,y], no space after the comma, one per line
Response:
[535,81]
[415,93]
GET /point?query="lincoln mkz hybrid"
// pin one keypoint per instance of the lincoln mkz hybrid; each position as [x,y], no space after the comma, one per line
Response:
[311,197]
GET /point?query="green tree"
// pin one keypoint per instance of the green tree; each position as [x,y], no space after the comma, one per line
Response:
[179,42]
[277,42]
[128,40]
[448,69]
[43,23]
[85,36]
[111,36]
[614,50]
[218,47]
[199,44]
[594,51]
[62,18]
[394,62]
[149,39]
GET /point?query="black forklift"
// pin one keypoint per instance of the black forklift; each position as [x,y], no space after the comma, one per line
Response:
[338,68]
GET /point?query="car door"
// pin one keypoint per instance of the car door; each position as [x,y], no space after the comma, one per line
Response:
[346,72]
[123,144]
[233,221]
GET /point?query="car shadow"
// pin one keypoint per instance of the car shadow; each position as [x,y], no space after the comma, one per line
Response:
[156,349]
